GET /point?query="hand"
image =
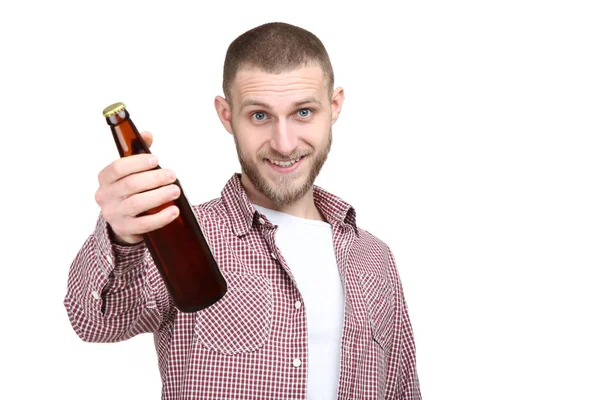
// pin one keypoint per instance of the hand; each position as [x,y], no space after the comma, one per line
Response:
[130,186]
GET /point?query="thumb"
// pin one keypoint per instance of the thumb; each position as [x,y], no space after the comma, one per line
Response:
[147,136]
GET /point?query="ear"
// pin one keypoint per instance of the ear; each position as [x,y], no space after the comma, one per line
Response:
[224,112]
[337,100]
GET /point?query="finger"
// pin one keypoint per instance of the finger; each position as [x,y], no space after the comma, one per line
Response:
[126,166]
[142,182]
[142,202]
[151,222]
[148,138]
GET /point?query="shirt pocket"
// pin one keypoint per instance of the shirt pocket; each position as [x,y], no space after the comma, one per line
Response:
[379,302]
[240,322]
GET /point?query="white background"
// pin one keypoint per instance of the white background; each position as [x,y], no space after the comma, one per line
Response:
[468,141]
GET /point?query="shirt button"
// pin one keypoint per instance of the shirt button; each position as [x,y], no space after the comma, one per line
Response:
[261,221]
[298,305]
[273,256]
[297,362]
[95,295]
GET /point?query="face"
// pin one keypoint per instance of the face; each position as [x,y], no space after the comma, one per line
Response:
[282,127]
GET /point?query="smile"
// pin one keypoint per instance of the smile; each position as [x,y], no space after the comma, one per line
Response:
[285,166]
[285,163]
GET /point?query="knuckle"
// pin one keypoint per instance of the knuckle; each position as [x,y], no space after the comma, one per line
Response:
[129,185]
[99,198]
[135,203]
[104,174]
[118,169]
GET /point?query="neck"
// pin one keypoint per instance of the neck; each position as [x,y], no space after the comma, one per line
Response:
[303,208]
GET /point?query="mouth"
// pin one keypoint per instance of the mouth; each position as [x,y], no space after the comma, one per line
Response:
[285,166]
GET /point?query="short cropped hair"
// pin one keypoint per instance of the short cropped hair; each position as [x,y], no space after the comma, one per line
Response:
[275,47]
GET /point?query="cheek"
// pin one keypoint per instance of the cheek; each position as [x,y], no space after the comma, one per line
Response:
[315,134]
[247,144]
[252,139]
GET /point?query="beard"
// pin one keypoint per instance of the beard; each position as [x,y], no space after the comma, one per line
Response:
[287,188]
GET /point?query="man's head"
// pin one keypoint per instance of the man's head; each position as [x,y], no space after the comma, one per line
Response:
[280,106]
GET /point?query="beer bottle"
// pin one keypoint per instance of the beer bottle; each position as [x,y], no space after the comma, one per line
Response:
[179,249]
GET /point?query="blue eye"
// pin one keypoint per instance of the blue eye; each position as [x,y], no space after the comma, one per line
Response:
[259,116]
[305,112]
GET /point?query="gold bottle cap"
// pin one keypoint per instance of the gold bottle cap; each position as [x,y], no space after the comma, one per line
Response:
[113,109]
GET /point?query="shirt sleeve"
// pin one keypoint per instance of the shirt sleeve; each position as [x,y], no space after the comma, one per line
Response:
[408,387]
[114,292]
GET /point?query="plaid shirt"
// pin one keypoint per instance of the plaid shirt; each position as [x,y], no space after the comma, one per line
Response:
[253,343]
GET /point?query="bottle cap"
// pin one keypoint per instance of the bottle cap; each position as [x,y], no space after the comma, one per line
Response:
[113,109]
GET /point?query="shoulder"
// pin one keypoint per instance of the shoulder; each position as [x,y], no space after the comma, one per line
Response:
[372,255]
[213,205]
[211,211]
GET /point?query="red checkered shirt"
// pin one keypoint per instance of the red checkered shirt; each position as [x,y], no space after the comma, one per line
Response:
[247,345]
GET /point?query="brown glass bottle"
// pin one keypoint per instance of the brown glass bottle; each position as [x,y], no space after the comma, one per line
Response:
[179,249]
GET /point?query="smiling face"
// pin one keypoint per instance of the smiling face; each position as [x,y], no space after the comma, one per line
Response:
[281,125]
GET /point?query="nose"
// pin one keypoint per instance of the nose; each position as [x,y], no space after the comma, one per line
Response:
[283,138]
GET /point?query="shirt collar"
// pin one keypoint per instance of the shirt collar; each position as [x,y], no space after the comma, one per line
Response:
[243,214]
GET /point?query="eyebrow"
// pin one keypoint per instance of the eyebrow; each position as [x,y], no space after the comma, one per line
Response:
[251,102]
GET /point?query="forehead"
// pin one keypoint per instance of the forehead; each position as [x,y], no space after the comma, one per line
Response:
[256,83]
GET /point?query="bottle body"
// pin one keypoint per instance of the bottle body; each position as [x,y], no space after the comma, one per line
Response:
[179,249]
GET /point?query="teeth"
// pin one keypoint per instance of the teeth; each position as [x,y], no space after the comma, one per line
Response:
[285,163]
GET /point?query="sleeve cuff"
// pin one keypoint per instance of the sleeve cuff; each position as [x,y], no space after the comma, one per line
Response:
[116,258]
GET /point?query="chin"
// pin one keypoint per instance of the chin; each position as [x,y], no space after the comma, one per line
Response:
[287,190]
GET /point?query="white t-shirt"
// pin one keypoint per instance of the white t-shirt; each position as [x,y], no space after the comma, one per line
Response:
[307,247]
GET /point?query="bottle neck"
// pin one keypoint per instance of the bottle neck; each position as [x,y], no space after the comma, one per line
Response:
[117,119]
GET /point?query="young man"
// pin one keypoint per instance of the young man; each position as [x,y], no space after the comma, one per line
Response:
[314,308]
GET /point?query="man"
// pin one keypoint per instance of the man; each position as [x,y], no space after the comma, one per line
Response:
[314,307]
